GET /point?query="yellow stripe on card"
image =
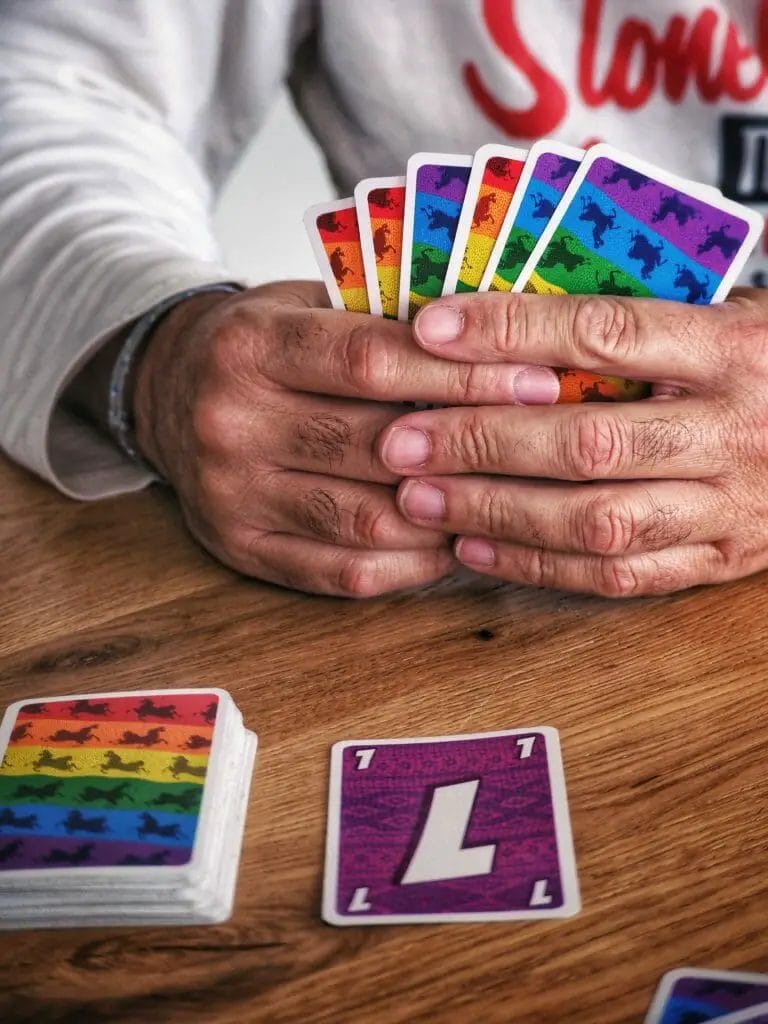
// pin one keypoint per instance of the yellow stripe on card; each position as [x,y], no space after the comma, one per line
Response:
[71,762]
[538,286]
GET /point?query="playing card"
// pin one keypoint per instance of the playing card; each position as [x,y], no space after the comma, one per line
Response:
[463,828]
[690,994]
[113,780]
[545,177]
[625,227]
[435,187]
[335,238]
[493,179]
[380,206]
[753,1015]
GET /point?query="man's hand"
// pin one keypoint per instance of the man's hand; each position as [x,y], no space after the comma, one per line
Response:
[263,410]
[619,500]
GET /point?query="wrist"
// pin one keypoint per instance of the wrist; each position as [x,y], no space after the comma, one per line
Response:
[158,392]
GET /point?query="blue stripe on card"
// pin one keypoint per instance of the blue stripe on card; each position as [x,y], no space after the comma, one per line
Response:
[635,248]
[435,221]
[139,826]
[538,205]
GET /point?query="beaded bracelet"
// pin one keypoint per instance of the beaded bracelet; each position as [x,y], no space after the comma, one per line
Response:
[120,415]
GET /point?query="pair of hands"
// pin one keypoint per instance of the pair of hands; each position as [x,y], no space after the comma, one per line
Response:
[282,428]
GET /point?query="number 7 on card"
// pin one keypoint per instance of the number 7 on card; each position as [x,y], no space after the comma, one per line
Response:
[461,828]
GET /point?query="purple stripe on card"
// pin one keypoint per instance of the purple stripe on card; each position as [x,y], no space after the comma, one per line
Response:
[42,852]
[443,180]
[707,235]
[555,171]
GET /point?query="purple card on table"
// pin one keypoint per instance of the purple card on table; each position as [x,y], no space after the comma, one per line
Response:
[691,995]
[452,828]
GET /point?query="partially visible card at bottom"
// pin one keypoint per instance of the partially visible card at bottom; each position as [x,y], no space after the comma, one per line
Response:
[692,995]
[454,828]
[753,1015]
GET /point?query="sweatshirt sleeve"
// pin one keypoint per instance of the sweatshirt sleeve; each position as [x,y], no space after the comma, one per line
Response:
[110,122]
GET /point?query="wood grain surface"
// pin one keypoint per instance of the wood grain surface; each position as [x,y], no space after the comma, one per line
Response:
[662,707]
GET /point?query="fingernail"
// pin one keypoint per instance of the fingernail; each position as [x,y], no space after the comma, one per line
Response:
[537,385]
[472,551]
[423,501]
[406,448]
[437,325]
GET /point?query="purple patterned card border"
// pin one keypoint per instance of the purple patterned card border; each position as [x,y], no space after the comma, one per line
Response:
[569,902]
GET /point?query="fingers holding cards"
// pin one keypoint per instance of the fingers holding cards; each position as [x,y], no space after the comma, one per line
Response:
[465,828]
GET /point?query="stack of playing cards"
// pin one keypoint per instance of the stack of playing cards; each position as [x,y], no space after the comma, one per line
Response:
[690,995]
[554,220]
[454,828]
[122,808]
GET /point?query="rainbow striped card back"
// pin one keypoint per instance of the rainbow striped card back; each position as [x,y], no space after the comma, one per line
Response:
[496,171]
[625,227]
[334,234]
[547,174]
[436,184]
[104,780]
[380,206]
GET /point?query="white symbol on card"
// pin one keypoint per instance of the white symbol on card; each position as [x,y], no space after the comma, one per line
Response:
[540,897]
[364,758]
[526,746]
[440,853]
[359,900]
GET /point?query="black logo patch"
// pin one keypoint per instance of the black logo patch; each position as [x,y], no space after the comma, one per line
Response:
[744,158]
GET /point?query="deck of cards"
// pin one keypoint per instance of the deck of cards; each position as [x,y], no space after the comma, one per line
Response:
[553,220]
[122,808]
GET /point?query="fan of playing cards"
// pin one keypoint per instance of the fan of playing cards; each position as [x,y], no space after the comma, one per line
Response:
[554,220]
[122,808]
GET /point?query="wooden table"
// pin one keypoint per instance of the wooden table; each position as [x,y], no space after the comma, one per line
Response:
[661,707]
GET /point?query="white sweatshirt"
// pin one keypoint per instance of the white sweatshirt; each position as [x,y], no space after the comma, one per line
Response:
[120,119]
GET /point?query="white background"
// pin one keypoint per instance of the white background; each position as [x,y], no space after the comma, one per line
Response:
[258,219]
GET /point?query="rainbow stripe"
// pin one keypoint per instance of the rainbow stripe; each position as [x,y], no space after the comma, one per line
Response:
[105,781]
[552,174]
[386,207]
[500,176]
[439,194]
[339,232]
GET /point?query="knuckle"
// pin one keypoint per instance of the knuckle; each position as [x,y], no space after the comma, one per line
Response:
[607,526]
[474,443]
[358,577]
[494,513]
[658,440]
[366,360]
[324,437]
[504,323]
[597,447]
[215,426]
[605,330]
[617,578]
[467,384]
[230,349]
[537,567]
[370,525]
[318,512]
